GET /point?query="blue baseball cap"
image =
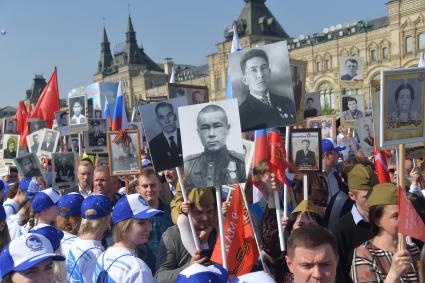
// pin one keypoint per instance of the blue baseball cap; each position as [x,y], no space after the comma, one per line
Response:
[26,251]
[50,232]
[328,146]
[24,183]
[2,213]
[96,206]
[254,277]
[30,186]
[45,199]
[70,205]
[197,273]
[132,206]
[5,188]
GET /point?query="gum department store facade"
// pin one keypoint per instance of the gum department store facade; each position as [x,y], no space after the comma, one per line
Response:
[390,42]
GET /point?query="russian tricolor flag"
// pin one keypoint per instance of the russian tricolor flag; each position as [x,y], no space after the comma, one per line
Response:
[119,119]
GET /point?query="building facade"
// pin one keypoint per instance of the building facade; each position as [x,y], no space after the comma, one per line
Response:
[390,42]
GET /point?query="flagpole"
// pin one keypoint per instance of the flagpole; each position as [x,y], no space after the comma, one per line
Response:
[189,216]
[80,150]
[221,225]
[402,182]
[305,187]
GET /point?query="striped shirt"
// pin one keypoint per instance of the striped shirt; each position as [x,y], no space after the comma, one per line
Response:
[371,264]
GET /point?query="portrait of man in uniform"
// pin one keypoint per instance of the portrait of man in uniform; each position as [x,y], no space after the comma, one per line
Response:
[97,135]
[351,106]
[33,142]
[216,164]
[305,149]
[63,168]
[261,80]
[48,141]
[305,157]
[124,153]
[10,126]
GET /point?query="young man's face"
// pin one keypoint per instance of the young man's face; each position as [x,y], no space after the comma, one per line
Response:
[257,75]
[351,68]
[352,105]
[213,130]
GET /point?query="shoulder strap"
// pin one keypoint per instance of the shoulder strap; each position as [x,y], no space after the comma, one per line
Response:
[13,208]
[113,260]
[76,262]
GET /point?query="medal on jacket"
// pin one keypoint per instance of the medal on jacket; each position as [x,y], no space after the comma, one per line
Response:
[231,168]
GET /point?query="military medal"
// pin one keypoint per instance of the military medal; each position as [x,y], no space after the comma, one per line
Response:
[231,168]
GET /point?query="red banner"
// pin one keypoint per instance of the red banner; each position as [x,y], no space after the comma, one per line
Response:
[409,222]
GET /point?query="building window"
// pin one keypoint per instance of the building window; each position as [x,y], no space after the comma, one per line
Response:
[327,99]
[318,67]
[218,83]
[421,41]
[385,53]
[373,56]
[328,65]
[409,44]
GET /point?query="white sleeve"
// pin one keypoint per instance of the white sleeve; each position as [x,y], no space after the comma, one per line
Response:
[140,274]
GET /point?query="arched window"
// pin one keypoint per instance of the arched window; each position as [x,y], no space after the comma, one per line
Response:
[327,96]
[421,41]
[328,65]
[409,45]
[385,53]
[373,55]
[318,66]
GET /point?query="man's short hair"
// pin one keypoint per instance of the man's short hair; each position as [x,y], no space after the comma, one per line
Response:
[351,99]
[162,105]
[252,54]
[63,114]
[101,168]
[405,86]
[310,99]
[354,61]
[85,163]
[305,141]
[212,108]
[310,237]
[147,173]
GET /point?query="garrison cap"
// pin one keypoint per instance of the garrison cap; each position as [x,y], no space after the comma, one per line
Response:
[362,178]
[306,206]
[383,194]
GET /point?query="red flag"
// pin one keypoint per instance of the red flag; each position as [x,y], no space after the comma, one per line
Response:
[241,248]
[21,117]
[409,222]
[278,164]
[381,166]
[48,103]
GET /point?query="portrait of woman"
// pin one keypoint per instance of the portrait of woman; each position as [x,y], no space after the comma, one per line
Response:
[404,98]
[11,148]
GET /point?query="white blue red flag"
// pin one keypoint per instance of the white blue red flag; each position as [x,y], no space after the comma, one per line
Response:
[119,118]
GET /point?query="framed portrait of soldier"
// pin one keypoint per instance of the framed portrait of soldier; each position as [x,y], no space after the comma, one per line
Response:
[77,118]
[305,149]
[64,169]
[365,135]
[28,165]
[352,109]
[10,125]
[96,136]
[402,106]
[35,124]
[49,142]
[73,143]
[312,107]
[195,94]
[327,125]
[162,128]
[138,126]
[351,69]
[10,147]
[62,121]
[298,75]
[124,153]
[34,141]
[261,81]
[212,144]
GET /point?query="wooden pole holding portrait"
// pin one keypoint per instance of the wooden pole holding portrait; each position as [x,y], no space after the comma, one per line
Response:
[402,183]
[305,187]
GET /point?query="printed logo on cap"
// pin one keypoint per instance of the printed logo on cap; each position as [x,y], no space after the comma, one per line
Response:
[143,201]
[34,243]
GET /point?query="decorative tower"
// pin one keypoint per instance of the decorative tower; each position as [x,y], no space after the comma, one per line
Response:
[105,54]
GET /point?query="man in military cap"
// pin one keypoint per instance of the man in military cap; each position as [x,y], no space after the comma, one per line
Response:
[304,156]
[96,137]
[216,165]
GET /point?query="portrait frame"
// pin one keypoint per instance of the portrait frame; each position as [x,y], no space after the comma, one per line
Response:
[49,149]
[138,126]
[316,104]
[37,169]
[366,135]
[6,122]
[95,145]
[317,123]
[70,158]
[188,90]
[344,79]
[393,130]
[63,123]
[300,67]
[35,124]
[360,102]
[314,136]
[9,156]
[73,124]
[30,141]
[113,150]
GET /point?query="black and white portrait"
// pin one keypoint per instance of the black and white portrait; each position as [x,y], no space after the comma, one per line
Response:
[124,153]
[34,141]
[63,168]
[97,142]
[77,110]
[305,149]
[195,94]
[10,126]
[138,126]
[404,104]
[298,81]
[261,81]
[35,124]
[365,134]
[162,128]
[72,143]
[212,144]
[351,69]
[28,165]
[327,124]
[49,142]
[62,121]
[10,146]
[312,106]
[352,108]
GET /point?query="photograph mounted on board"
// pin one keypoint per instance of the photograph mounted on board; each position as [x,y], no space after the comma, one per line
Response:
[77,119]
[312,107]
[49,142]
[327,124]
[34,141]
[10,146]
[352,109]
[402,106]
[365,135]
[62,121]
[162,129]
[298,75]
[305,149]
[124,153]
[28,165]
[351,69]
[64,169]
[35,124]
[96,136]
[138,126]
[261,81]
[212,144]
[195,94]
[10,125]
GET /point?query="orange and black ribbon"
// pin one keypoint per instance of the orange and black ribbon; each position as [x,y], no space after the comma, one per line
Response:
[122,136]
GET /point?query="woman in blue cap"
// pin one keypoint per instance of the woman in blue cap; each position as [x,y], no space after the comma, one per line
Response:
[16,197]
[44,210]
[84,252]
[132,227]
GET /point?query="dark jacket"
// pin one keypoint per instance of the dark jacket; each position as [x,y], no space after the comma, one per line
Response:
[162,155]
[305,160]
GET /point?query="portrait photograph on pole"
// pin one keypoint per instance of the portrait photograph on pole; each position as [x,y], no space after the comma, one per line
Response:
[312,107]
[124,153]
[261,81]
[351,69]
[327,124]
[77,119]
[62,122]
[10,147]
[365,135]
[212,144]
[35,124]
[162,128]
[28,165]
[10,126]
[195,94]
[64,169]
[96,136]
[352,109]
[305,149]
[298,75]
[34,141]
[49,142]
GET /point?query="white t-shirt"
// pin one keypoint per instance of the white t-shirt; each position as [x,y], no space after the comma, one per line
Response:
[67,241]
[13,225]
[81,260]
[127,268]
[10,207]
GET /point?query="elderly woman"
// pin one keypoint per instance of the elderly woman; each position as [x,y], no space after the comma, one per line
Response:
[378,259]
[404,99]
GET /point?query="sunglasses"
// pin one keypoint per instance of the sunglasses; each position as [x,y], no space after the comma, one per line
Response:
[392,170]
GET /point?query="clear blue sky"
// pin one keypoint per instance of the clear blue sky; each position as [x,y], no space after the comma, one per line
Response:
[67,34]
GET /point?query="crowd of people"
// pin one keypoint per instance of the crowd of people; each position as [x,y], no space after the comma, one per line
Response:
[104,231]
